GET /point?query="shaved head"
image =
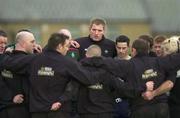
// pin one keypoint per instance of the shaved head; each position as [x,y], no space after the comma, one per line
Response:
[93,51]
[23,35]
[25,41]
[65,32]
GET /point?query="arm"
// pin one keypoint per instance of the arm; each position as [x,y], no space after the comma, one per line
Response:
[123,89]
[84,76]
[116,67]
[163,88]
[170,62]
[166,86]
[70,90]
[6,94]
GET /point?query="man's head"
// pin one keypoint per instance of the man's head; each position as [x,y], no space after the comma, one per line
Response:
[171,45]
[65,32]
[158,40]
[25,41]
[3,41]
[122,46]
[93,51]
[147,38]
[59,42]
[97,29]
[140,46]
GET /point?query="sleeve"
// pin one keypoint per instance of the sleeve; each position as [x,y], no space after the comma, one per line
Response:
[18,65]
[170,62]
[6,95]
[70,91]
[171,75]
[83,75]
[123,89]
[116,67]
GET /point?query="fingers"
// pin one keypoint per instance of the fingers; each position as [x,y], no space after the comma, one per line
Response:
[75,44]
[149,86]
[37,48]
[18,99]
[148,95]
[55,106]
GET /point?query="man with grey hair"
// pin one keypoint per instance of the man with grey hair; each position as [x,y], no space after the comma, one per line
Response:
[65,32]
[93,51]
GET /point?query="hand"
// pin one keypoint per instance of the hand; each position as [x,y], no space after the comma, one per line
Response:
[55,106]
[18,99]
[37,48]
[148,95]
[75,44]
[149,86]
[9,49]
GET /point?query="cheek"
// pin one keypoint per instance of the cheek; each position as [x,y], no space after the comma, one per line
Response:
[67,48]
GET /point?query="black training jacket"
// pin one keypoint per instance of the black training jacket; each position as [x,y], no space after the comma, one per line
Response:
[12,84]
[107,46]
[50,74]
[143,68]
[95,98]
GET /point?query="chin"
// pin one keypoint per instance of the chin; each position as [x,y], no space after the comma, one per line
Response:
[96,39]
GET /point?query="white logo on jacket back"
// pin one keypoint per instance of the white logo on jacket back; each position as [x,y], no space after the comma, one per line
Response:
[149,74]
[7,73]
[46,71]
[178,74]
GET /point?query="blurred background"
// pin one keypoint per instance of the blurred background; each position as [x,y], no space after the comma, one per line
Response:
[128,17]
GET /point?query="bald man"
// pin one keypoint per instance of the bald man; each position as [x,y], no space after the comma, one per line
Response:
[17,86]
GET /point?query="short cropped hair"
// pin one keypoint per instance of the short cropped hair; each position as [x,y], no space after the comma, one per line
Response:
[159,39]
[147,38]
[98,21]
[24,30]
[122,38]
[93,51]
[56,39]
[21,34]
[3,33]
[141,46]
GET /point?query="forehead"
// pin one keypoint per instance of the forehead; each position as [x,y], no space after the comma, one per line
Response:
[157,44]
[29,37]
[99,26]
[122,44]
[3,39]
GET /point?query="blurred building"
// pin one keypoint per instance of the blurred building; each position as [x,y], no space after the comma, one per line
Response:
[128,17]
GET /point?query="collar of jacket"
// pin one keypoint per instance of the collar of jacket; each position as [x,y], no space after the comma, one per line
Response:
[93,61]
[52,51]
[19,52]
[141,55]
[103,38]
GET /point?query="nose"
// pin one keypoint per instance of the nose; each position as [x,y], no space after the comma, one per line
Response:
[121,50]
[3,45]
[96,32]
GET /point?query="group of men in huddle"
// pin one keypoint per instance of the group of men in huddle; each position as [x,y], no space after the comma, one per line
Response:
[41,83]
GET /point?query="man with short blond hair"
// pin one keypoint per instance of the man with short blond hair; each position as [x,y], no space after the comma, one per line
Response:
[96,36]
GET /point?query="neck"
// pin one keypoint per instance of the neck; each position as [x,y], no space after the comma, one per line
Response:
[20,48]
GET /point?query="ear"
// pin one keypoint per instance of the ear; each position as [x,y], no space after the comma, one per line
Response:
[133,52]
[86,55]
[60,46]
